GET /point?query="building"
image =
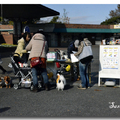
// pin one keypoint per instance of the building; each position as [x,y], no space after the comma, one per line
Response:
[6,34]
[60,35]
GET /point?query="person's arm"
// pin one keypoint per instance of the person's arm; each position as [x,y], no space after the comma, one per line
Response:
[21,48]
[80,48]
[29,46]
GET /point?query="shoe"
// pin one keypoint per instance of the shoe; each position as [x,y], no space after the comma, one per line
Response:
[83,88]
[35,89]
[47,86]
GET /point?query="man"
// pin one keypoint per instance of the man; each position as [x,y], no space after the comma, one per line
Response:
[73,47]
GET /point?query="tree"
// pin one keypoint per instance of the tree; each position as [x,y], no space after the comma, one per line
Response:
[55,20]
[111,21]
[5,21]
[114,17]
[116,12]
[64,19]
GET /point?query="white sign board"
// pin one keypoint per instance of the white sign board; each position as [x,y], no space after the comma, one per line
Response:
[117,26]
[109,62]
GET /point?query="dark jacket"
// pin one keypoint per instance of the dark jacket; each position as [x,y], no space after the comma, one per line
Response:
[71,48]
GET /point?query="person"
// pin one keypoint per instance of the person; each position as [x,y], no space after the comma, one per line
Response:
[83,67]
[26,29]
[73,47]
[19,55]
[35,47]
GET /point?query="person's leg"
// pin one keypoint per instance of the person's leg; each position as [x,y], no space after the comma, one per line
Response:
[86,75]
[82,74]
[45,78]
[25,57]
[17,60]
[35,79]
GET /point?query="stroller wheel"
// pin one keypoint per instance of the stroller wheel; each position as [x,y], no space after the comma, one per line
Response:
[15,86]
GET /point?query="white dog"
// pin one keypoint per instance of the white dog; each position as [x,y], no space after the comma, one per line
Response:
[61,82]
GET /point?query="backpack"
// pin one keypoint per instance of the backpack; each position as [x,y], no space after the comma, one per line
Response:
[86,55]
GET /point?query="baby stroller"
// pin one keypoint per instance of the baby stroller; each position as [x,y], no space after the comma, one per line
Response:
[65,69]
[24,74]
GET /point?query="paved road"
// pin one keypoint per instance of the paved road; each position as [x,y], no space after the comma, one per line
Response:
[71,103]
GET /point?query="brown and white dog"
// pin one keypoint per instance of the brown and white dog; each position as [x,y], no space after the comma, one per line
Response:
[60,81]
[7,81]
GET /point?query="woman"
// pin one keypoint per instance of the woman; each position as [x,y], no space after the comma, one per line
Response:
[83,67]
[36,48]
[20,50]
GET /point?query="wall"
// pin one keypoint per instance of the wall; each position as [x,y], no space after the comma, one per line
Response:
[5,36]
[8,38]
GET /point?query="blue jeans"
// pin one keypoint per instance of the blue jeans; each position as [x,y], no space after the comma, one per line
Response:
[35,71]
[83,74]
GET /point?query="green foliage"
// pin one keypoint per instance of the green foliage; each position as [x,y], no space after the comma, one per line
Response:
[64,19]
[5,21]
[111,21]
[7,45]
[114,17]
[55,20]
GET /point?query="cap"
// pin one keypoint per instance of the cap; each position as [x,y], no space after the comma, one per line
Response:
[76,43]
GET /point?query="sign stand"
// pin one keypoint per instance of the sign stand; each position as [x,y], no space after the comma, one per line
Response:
[109,62]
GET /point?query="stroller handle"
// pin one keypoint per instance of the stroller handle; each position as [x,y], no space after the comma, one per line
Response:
[56,50]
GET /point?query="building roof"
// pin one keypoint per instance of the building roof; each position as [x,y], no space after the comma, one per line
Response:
[82,30]
[85,28]
[26,11]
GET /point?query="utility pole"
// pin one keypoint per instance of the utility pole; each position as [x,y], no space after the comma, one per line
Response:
[1,14]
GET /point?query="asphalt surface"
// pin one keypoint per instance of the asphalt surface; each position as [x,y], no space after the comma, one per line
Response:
[95,102]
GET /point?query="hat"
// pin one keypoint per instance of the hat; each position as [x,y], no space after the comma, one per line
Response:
[76,43]
[26,29]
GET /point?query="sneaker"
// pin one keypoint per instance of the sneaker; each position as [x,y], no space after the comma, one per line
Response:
[47,87]
[83,88]
[35,89]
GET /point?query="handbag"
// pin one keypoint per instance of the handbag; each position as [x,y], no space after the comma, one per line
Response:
[86,55]
[37,60]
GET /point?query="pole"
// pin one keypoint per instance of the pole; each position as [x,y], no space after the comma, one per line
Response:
[1,14]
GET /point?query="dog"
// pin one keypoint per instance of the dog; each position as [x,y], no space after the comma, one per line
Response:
[60,82]
[7,81]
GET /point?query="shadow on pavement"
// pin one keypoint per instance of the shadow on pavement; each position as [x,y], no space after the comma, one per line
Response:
[4,109]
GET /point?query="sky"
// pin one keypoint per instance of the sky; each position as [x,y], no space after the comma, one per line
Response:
[79,11]
[83,13]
